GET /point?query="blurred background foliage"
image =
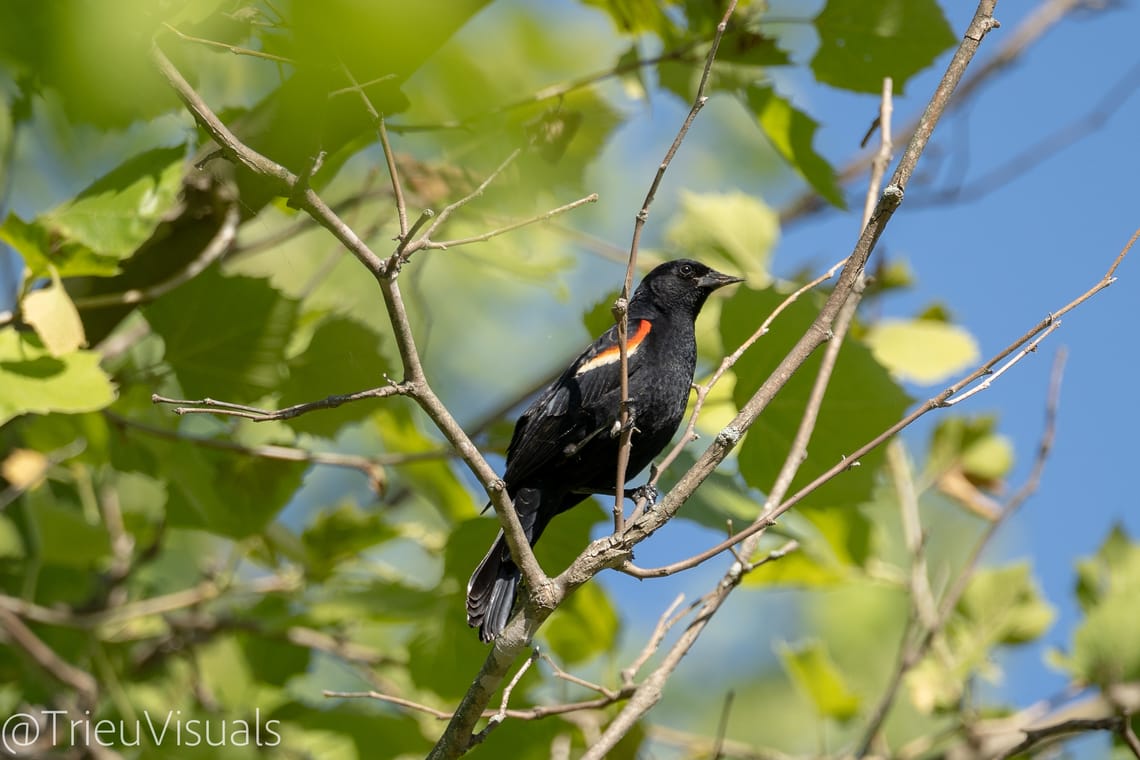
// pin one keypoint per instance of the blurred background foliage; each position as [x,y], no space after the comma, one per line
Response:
[232,570]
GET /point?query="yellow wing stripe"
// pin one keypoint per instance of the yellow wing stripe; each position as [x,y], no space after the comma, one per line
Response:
[612,354]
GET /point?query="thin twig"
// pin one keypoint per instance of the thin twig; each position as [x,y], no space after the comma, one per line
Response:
[225,46]
[157,605]
[255,414]
[1128,736]
[545,216]
[722,726]
[1036,736]
[217,247]
[664,623]
[621,306]
[914,651]
[373,467]
[385,144]
[423,240]
[931,404]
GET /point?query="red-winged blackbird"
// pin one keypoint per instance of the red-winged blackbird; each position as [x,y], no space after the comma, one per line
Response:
[565,444]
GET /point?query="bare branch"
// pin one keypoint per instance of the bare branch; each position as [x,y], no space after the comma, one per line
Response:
[372,467]
[389,156]
[226,408]
[238,152]
[664,623]
[236,50]
[440,218]
[546,216]
[1036,736]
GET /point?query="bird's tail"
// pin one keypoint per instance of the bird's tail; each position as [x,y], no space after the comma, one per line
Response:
[491,591]
[494,584]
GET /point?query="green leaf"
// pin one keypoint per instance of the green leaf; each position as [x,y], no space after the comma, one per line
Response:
[370,734]
[11,542]
[432,480]
[585,626]
[989,459]
[812,671]
[1112,570]
[63,536]
[207,487]
[1104,650]
[835,543]
[1000,607]
[863,41]
[54,317]
[225,336]
[732,232]
[445,653]
[32,380]
[921,350]
[1104,646]
[1006,604]
[791,132]
[861,401]
[339,533]
[342,356]
[43,251]
[634,16]
[600,317]
[119,211]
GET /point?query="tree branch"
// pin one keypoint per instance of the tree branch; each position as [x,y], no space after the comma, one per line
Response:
[621,306]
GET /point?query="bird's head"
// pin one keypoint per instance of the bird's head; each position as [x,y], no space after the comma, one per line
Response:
[679,286]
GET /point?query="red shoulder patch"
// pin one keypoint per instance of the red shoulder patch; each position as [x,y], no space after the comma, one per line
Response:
[612,354]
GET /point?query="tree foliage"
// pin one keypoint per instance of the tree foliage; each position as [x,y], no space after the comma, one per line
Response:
[230,573]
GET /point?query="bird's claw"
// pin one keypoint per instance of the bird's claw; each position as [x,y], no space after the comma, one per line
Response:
[647,492]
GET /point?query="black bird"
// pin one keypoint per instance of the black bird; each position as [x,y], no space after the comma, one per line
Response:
[565,444]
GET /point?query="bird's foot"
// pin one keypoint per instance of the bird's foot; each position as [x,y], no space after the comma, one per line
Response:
[647,493]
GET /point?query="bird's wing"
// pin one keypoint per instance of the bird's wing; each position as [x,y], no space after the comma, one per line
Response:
[579,405]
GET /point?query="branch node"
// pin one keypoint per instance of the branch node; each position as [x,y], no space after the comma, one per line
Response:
[728,437]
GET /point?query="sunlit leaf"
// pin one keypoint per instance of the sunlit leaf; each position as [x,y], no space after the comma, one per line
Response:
[791,133]
[1103,650]
[862,41]
[51,313]
[814,673]
[921,350]
[1007,604]
[32,380]
[731,232]
[120,210]
[43,251]
[861,401]
[1001,607]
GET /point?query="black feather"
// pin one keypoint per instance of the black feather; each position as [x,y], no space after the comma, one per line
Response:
[564,446]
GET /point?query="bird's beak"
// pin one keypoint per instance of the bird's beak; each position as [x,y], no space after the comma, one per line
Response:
[715,279]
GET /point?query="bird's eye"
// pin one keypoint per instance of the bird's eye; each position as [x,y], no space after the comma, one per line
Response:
[686,270]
